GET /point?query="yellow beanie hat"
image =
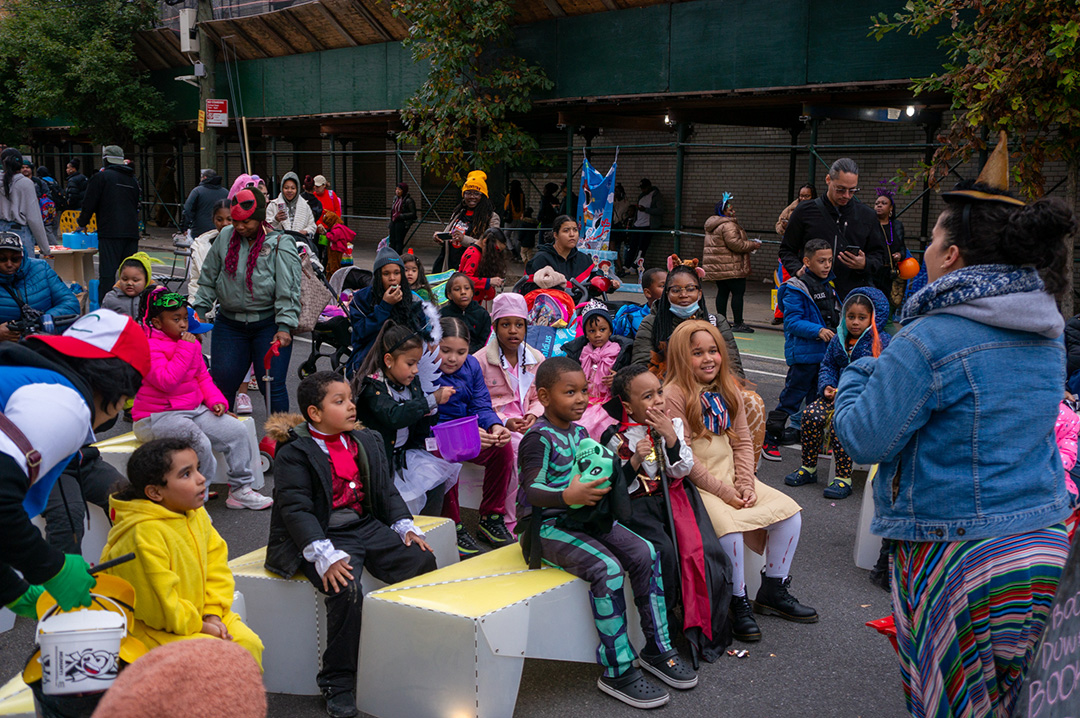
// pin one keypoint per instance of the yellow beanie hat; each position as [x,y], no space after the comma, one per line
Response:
[145,260]
[476,180]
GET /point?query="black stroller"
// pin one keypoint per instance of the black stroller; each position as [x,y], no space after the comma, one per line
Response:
[336,331]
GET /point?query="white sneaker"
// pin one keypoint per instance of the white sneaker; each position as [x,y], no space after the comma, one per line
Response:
[253,385]
[243,403]
[248,498]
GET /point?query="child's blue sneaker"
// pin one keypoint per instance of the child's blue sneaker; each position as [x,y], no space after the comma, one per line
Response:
[801,477]
[837,489]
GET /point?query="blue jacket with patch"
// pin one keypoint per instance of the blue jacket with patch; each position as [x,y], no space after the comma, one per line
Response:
[37,285]
[837,357]
[802,322]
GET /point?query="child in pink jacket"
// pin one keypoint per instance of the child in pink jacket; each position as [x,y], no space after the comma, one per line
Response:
[1065,432]
[179,399]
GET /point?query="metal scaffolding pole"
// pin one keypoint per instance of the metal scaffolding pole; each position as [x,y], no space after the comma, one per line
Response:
[680,155]
[569,169]
[812,168]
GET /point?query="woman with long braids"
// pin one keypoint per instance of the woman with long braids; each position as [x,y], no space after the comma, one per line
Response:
[473,216]
[254,276]
[682,300]
[20,211]
[959,413]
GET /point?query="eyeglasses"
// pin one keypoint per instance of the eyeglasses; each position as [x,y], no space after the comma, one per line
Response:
[845,190]
[471,193]
[680,291]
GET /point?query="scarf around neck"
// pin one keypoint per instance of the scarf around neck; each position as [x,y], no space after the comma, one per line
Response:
[968,283]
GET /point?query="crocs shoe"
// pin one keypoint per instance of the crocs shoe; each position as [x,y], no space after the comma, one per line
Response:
[243,404]
[801,477]
[671,669]
[466,544]
[493,530]
[837,489]
[770,451]
[634,689]
[248,498]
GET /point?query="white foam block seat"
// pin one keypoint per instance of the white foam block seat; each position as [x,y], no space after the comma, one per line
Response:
[477,622]
[16,699]
[118,449]
[289,615]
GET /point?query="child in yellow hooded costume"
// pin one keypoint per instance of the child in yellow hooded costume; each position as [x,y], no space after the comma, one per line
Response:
[183,584]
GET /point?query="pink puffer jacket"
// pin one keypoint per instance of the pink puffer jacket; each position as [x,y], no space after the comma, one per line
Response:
[178,379]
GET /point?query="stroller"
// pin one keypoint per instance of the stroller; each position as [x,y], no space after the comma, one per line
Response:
[335,331]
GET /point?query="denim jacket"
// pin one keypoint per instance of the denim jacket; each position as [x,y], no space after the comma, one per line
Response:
[959,414]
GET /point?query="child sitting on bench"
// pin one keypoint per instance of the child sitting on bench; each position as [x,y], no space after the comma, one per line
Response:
[337,512]
[550,482]
[183,584]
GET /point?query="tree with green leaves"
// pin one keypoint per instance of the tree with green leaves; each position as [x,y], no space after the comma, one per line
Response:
[474,85]
[74,60]
[1012,65]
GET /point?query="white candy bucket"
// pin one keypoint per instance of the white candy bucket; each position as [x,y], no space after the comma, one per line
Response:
[80,650]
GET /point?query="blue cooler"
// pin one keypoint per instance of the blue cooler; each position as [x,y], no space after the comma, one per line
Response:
[80,240]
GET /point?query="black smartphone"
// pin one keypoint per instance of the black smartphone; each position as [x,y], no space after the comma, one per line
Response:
[444,236]
[853,249]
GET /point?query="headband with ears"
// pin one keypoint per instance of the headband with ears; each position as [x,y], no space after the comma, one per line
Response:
[674,261]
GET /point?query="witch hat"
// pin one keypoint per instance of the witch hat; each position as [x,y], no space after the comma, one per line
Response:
[994,174]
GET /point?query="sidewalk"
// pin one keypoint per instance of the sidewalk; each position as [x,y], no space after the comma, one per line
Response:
[766,341]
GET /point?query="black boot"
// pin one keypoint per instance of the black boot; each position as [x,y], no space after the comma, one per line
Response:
[743,626]
[773,599]
[775,423]
[879,575]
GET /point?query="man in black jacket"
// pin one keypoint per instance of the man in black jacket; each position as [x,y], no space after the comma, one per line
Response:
[76,184]
[336,512]
[112,194]
[199,207]
[845,224]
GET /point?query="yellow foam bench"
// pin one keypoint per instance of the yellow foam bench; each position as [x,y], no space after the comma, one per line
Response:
[289,615]
[478,621]
[16,699]
[118,449]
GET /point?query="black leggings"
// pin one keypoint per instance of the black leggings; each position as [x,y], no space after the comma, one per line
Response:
[736,288]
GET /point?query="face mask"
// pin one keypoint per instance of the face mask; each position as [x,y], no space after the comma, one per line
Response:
[684,312]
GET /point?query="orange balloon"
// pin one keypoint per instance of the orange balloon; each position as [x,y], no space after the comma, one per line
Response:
[909,268]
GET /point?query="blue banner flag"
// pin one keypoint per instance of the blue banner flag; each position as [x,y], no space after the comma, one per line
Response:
[594,206]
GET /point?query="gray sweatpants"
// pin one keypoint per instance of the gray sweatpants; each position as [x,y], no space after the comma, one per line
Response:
[207,433]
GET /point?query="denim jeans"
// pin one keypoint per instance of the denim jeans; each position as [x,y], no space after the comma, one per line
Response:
[24,233]
[238,345]
[800,384]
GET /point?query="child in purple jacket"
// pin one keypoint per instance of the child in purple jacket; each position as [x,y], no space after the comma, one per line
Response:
[462,372]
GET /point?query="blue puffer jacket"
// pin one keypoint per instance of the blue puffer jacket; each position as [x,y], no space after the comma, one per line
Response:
[36,284]
[802,322]
[837,357]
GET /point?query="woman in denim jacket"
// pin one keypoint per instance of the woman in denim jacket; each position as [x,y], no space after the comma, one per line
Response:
[959,414]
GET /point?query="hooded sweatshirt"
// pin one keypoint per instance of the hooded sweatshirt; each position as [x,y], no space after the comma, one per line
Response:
[300,218]
[180,572]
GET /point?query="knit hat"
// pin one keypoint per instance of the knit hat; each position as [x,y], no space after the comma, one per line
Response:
[247,203]
[145,260]
[404,187]
[476,180]
[508,304]
[386,256]
[320,181]
[12,241]
[102,334]
[595,309]
[112,154]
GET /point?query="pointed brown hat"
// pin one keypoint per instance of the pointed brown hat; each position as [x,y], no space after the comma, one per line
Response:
[995,173]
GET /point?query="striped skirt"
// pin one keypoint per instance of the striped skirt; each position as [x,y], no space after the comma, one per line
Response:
[969,615]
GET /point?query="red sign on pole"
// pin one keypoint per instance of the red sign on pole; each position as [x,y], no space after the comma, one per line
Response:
[217,113]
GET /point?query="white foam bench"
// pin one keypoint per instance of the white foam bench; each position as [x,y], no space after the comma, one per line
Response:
[867,544]
[453,642]
[16,699]
[118,449]
[289,615]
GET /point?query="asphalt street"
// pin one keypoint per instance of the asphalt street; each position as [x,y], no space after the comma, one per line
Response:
[836,667]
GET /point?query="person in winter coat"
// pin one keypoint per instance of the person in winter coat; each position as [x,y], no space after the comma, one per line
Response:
[470,219]
[113,195]
[134,277]
[30,283]
[307,192]
[461,305]
[485,264]
[76,185]
[199,208]
[289,213]
[806,193]
[726,260]
[202,244]
[601,353]
[20,211]
[254,276]
[566,264]
[861,333]
[327,197]
[339,237]
[402,216]
[183,584]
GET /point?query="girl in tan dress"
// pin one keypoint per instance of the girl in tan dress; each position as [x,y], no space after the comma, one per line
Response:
[703,393]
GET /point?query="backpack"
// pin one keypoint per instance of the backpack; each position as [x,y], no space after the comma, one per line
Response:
[55,193]
[48,210]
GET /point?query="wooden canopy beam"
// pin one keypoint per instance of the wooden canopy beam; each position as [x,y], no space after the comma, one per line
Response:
[335,24]
[243,34]
[267,29]
[372,20]
[145,46]
[623,122]
[609,4]
[298,25]
[555,8]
